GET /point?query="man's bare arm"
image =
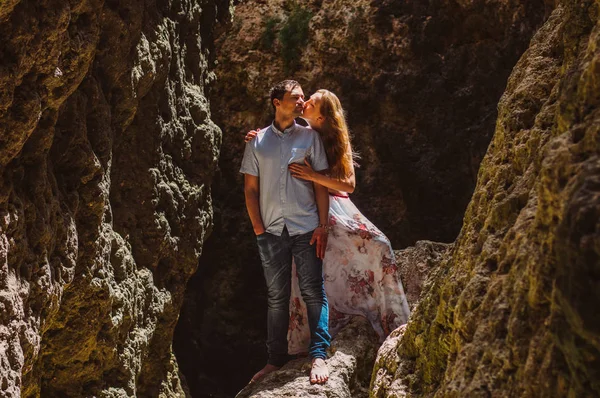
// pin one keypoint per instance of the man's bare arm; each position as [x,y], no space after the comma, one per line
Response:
[322,198]
[251,192]
[320,234]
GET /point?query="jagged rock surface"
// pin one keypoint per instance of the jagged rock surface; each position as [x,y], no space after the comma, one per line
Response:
[418,266]
[352,354]
[421,82]
[415,263]
[513,310]
[107,153]
[383,383]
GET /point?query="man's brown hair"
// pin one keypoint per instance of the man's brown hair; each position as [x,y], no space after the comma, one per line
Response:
[279,90]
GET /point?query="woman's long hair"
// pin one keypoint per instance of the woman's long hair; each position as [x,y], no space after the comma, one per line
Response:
[335,136]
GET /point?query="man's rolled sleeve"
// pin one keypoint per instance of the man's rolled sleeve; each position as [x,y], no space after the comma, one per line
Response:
[249,162]
[319,157]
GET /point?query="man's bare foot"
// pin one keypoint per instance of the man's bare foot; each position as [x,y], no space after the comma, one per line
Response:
[319,373]
[263,372]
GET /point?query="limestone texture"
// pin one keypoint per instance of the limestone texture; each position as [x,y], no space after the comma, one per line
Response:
[415,263]
[352,354]
[512,309]
[383,383]
[420,81]
[107,154]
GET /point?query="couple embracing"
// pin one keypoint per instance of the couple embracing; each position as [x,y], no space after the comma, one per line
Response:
[323,261]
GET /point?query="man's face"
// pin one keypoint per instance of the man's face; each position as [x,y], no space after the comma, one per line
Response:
[292,103]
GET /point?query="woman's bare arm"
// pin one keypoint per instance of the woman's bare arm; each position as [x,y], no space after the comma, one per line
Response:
[306,172]
[345,185]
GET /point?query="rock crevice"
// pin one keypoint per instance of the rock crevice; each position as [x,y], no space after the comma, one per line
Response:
[420,82]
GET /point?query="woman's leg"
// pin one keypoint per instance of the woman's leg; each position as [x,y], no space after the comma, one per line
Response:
[298,332]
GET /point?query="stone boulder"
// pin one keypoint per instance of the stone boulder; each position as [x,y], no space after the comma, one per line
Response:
[416,263]
[350,362]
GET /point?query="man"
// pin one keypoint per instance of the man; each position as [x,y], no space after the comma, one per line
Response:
[290,218]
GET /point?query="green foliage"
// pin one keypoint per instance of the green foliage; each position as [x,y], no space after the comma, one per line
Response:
[267,39]
[293,36]
[289,5]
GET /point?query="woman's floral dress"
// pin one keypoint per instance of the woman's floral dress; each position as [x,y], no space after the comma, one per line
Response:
[361,278]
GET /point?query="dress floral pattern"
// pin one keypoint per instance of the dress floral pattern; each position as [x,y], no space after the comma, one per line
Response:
[361,278]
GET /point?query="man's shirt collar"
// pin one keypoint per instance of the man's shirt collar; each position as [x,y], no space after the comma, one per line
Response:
[281,133]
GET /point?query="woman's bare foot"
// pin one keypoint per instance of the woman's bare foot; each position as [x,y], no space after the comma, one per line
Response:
[263,372]
[319,373]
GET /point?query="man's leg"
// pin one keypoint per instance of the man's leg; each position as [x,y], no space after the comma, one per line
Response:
[276,260]
[310,278]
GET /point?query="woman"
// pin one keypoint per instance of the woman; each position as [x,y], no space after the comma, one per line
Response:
[359,267]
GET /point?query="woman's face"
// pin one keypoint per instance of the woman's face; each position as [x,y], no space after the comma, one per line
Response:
[312,110]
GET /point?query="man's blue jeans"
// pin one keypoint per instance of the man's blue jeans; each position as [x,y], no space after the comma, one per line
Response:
[276,253]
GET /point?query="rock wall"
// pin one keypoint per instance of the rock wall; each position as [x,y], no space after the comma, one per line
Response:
[421,82]
[512,310]
[107,154]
